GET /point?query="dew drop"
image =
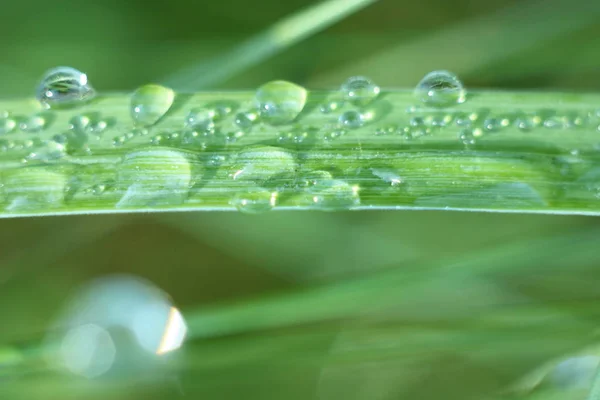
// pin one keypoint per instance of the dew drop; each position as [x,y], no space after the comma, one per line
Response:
[280,102]
[202,119]
[262,163]
[359,90]
[332,134]
[80,122]
[34,123]
[255,201]
[34,188]
[351,119]
[493,124]
[440,89]
[333,194]
[467,136]
[245,120]
[387,175]
[7,125]
[311,178]
[98,127]
[150,103]
[48,150]
[64,86]
[155,176]
[330,106]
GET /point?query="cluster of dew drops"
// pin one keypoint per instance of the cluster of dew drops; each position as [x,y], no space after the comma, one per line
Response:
[276,103]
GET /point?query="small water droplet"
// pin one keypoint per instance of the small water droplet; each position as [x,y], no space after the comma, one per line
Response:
[417,121]
[48,150]
[332,134]
[150,103]
[351,119]
[80,122]
[245,120]
[440,89]
[331,106]
[280,102]
[388,175]
[155,176]
[7,125]
[438,120]
[467,136]
[311,178]
[34,123]
[98,127]
[526,123]
[359,90]
[494,124]
[202,119]
[556,122]
[255,201]
[333,194]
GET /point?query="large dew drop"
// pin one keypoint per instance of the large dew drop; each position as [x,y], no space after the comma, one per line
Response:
[262,163]
[34,188]
[155,176]
[255,201]
[150,103]
[334,194]
[280,102]
[440,89]
[360,90]
[64,86]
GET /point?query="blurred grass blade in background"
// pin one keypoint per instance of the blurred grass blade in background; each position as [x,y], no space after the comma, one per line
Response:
[287,32]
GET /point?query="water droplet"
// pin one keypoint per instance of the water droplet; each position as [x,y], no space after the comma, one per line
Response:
[201,119]
[359,90]
[388,175]
[331,106]
[280,102]
[34,188]
[440,89]
[262,163]
[438,120]
[7,125]
[80,122]
[467,136]
[64,86]
[334,194]
[351,119]
[150,103]
[245,120]
[332,134]
[155,176]
[48,150]
[528,122]
[495,124]
[34,123]
[311,178]
[255,201]
[417,121]
[98,127]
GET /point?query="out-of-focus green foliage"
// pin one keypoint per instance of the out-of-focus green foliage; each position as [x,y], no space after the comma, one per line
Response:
[351,305]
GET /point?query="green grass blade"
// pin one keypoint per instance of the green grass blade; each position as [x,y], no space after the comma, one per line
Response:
[404,157]
[278,37]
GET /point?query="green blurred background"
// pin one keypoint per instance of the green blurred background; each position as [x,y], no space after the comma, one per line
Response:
[393,305]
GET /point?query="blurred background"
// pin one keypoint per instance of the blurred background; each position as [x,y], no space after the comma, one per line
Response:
[301,305]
